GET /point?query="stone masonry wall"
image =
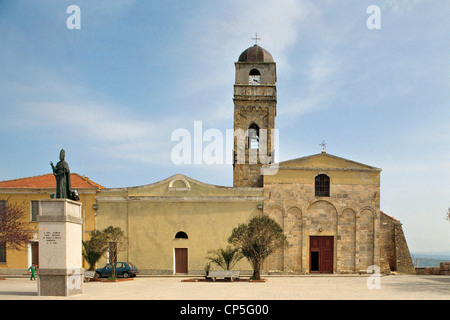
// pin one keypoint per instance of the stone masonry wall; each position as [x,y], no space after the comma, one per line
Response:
[247,162]
[395,255]
[350,215]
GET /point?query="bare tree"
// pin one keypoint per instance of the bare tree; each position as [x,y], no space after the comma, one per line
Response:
[15,229]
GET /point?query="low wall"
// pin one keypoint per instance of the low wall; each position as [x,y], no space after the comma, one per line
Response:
[443,269]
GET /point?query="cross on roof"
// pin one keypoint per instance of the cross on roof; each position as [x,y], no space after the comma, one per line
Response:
[256,38]
[323,145]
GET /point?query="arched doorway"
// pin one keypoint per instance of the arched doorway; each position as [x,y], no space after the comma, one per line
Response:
[181,255]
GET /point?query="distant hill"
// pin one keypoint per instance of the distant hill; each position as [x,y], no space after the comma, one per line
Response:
[423,259]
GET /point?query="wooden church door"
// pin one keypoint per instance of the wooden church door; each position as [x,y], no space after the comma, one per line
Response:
[181,260]
[321,254]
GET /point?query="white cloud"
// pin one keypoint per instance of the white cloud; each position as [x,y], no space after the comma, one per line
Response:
[321,71]
[216,44]
[111,129]
[91,119]
[218,35]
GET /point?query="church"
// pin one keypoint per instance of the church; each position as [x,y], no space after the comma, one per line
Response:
[328,206]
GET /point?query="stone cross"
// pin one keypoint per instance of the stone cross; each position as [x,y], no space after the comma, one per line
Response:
[256,38]
[323,145]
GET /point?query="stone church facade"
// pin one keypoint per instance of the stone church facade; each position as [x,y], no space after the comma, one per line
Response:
[334,228]
[328,206]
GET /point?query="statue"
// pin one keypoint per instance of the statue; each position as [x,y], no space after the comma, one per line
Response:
[62,176]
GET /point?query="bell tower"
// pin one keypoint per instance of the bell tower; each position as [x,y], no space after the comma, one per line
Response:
[255,109]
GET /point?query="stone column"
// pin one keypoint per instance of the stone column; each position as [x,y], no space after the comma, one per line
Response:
[60,270]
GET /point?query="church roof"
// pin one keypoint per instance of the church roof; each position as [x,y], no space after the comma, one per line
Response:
[326,160]
[47,181]
[182,188]
[255,54]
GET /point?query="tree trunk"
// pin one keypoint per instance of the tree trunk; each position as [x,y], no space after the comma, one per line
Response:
[113,257]
[257,271]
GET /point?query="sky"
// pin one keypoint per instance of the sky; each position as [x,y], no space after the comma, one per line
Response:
[113,92]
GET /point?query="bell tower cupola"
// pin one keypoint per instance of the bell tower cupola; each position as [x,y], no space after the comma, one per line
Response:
[255,101]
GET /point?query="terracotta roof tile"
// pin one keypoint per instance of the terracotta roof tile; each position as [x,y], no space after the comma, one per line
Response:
[48,181]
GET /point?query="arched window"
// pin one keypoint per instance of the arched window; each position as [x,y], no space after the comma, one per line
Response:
[179,183]
[253,137]
[322,185]
[181,235]
[254,77]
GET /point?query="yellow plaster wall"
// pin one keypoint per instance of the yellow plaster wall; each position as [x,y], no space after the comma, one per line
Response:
[152,215]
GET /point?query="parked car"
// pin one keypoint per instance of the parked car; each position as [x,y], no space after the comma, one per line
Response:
[124,269]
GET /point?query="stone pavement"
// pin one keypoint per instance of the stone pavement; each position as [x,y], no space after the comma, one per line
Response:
[395,287]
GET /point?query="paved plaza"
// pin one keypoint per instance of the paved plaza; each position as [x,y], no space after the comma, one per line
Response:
[396,287]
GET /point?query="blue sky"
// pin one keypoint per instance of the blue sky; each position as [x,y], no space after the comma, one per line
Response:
[112,93]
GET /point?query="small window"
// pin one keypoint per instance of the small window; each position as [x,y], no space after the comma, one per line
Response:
[181,235]
[253,137]
[254,78]
[179,184]
[322,185]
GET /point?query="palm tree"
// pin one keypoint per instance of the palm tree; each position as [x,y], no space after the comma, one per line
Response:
[94,248]
[225,258]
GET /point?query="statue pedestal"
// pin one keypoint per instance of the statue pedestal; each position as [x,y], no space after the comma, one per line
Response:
[60,270]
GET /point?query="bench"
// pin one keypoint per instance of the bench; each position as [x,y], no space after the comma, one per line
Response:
[224,274]
[88,275]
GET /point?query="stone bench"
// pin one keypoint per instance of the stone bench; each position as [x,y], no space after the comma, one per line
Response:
[88,275]
[224,274]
